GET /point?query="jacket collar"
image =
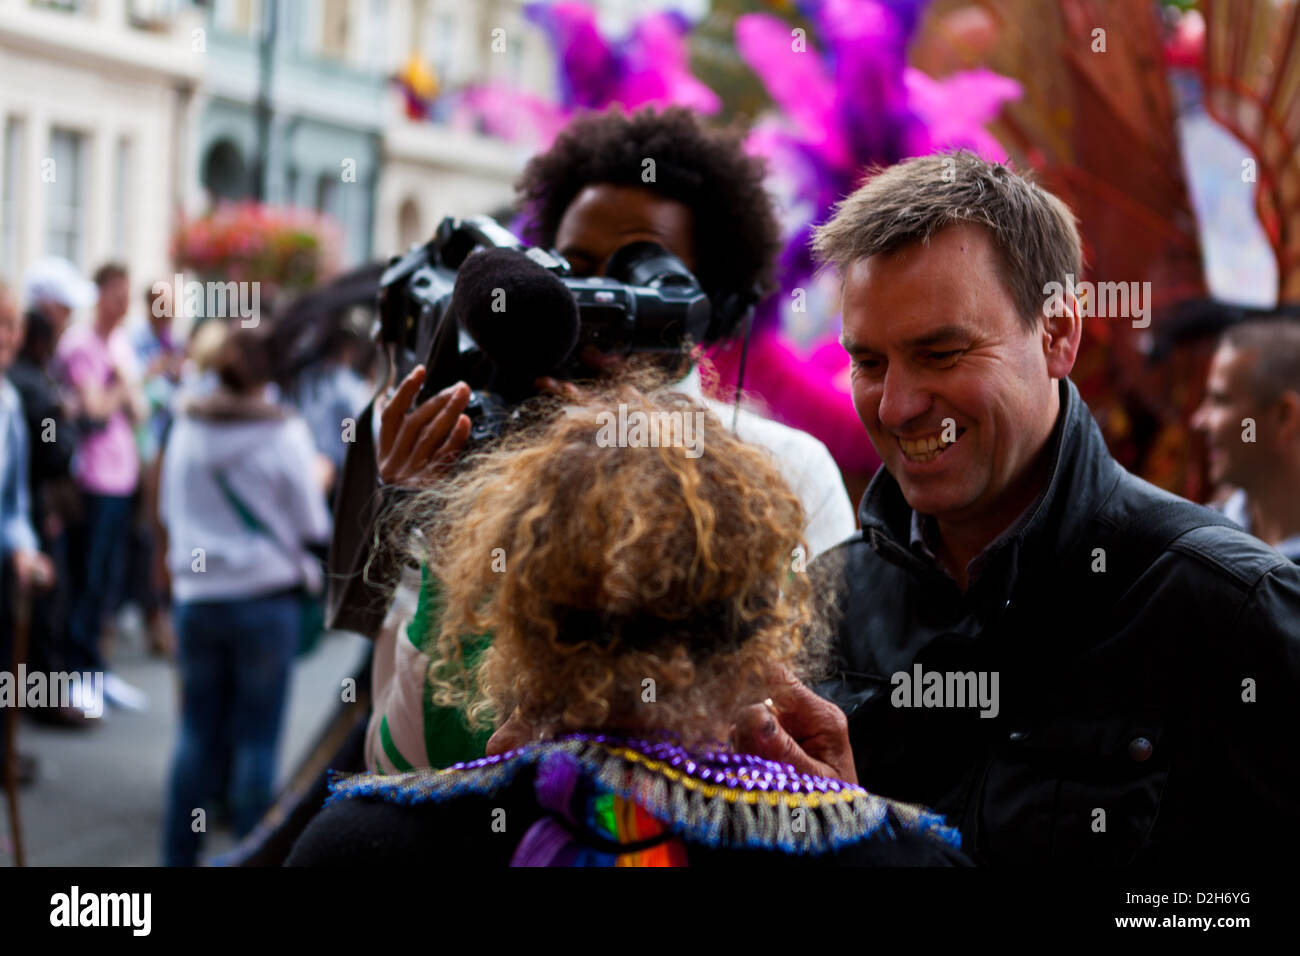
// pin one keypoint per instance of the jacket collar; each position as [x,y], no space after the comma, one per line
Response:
[1081,476]
[224,405]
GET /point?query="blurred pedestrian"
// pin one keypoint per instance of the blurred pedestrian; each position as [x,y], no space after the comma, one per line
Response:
[160,357]
[23,568]
[55,500]
[56,289]
[242,509]
[1251,420]
[96,364]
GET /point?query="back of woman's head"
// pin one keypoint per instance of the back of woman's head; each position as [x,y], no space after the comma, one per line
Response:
[624,584]
[242,361]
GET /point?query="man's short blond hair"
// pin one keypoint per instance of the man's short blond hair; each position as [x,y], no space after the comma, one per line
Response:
[1035,234]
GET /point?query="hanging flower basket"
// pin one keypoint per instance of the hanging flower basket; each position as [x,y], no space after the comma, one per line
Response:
[286,250]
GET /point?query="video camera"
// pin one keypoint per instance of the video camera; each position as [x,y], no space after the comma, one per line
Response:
[482,307]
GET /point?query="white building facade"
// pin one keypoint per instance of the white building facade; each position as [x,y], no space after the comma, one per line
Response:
[118,118]
[96,109]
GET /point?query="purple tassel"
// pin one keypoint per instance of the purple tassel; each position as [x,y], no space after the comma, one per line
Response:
[548,842]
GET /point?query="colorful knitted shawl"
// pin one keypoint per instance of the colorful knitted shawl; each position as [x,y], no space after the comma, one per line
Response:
[633,802]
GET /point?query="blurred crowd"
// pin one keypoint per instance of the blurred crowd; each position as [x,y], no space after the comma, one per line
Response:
[96,519]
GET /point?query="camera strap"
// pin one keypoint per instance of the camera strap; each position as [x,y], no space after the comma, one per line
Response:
[740,374]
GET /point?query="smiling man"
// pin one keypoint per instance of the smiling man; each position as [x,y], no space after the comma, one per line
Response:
[1147,655]
[949,381]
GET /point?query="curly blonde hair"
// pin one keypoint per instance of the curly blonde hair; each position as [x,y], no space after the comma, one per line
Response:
[624,587]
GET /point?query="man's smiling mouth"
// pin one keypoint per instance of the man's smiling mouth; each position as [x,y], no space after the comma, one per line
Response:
[927,447]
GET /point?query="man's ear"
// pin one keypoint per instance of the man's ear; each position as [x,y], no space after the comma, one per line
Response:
[1287,412]
[1061,331]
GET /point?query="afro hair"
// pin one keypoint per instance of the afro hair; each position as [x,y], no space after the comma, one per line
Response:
[736,231]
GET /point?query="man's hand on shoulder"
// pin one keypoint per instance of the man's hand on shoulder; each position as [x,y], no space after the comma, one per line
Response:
[798,728]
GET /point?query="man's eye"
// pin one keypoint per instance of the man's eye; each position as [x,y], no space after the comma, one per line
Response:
[868,365]
[943,356]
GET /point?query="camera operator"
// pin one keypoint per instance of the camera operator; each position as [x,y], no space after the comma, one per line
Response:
[587,197]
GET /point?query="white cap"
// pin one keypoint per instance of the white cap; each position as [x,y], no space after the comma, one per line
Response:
[55,279]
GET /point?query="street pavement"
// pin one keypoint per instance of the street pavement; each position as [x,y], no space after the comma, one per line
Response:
[98,800]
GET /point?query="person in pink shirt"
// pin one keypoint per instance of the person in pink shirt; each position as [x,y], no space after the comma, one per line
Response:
[96,364]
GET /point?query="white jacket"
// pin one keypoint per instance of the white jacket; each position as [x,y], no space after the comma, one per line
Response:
[212,554]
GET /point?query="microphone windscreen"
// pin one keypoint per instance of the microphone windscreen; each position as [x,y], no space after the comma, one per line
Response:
[521,316]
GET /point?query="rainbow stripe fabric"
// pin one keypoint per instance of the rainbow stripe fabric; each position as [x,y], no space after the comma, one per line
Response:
[620,820]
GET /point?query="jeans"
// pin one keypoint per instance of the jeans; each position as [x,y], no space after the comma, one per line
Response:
[235,659]
[108,524]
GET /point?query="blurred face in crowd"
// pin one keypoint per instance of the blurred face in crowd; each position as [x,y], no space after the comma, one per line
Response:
[604,218]
[113,301]
[58,315]
[935,337]
[1228,400]
[11,332]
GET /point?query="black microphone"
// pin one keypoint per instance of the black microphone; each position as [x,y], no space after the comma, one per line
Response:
[521,316]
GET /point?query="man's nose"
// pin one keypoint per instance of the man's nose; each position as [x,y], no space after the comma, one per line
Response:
[902,399]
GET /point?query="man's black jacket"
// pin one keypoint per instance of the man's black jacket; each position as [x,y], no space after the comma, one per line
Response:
[1148,712]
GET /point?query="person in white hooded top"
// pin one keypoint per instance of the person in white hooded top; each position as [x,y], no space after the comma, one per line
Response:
[243,505]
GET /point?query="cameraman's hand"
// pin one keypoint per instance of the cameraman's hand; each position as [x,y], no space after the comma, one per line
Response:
[418,447]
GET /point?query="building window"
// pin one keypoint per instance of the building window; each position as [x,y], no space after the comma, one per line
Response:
[65,214]
[242,17]
[515,57]
[377,36]
[328,198]
[408,224]
[12,189]
[419,27]
[442,44]
[121,225]
[334,29]
[291,186]
[151,14]
[71,6]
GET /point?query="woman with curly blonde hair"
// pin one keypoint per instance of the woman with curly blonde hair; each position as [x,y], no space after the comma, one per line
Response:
[640,571]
